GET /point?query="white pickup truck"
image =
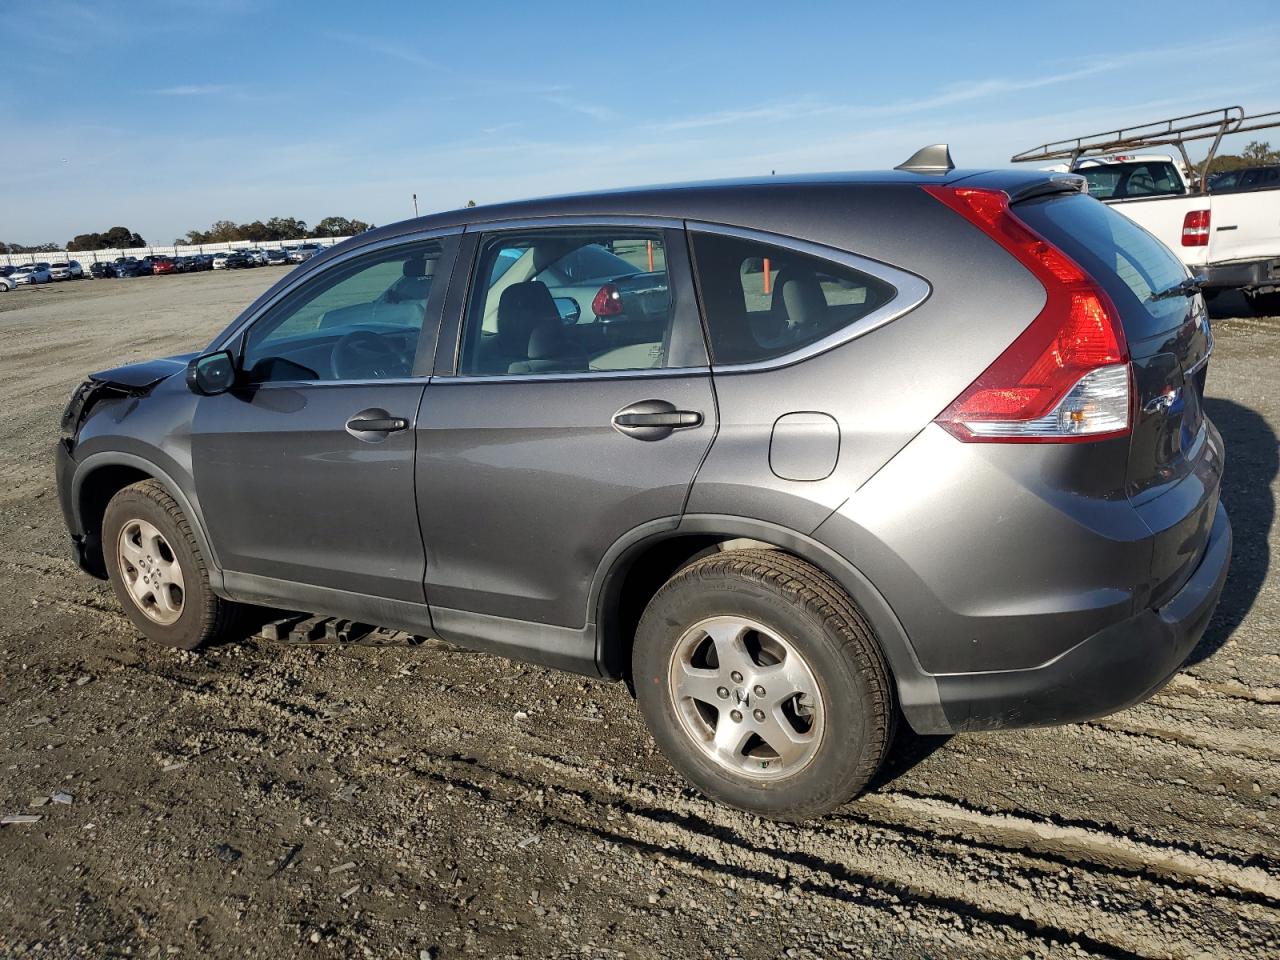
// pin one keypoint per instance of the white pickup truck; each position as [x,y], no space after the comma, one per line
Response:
[1232,239]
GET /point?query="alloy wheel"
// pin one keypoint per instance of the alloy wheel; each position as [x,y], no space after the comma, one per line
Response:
[151,571]
[746,697]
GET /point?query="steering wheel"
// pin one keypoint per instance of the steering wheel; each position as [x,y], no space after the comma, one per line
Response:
[365,355]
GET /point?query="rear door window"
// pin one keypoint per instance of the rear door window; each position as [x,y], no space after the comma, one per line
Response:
[762,301]
[1131,264]
[576,300]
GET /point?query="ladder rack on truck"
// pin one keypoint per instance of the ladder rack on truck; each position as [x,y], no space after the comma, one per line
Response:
[1176,131]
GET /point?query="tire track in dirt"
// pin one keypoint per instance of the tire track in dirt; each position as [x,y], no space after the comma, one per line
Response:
[711,839]
[1097,849]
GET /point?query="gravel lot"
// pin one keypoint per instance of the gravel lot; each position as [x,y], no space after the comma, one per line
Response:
[260,800]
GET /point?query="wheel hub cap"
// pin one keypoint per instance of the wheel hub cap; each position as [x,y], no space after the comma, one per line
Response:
[150,571]
[746,697]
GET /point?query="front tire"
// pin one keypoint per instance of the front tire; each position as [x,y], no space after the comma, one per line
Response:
[158,573]
[763,684]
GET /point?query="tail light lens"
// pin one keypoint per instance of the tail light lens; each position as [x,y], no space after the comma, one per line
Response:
[1195,229]
[607,301]
[1066,377]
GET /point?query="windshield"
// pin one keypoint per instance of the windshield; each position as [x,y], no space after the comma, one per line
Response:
[1122,181]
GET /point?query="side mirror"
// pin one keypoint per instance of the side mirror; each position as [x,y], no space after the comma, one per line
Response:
[212,374]
[569,310]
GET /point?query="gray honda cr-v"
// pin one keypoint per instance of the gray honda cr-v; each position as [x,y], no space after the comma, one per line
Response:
[793,456]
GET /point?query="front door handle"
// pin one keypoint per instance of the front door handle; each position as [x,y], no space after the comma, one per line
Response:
[375,424]
[653,420]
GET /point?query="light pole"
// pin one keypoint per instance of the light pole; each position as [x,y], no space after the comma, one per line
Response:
[415,206]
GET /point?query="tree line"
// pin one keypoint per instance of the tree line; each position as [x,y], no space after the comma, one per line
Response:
[277,228]
[1254,155]
[222,231]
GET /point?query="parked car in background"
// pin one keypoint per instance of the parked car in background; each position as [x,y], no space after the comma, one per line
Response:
[132,267]
[303,252]
[32,273]
[65,270]
[6,269]
[277,257]
[723,495]
[257,255]
[162,265]
[1266,177]
[220,260]
[239,260]
[101,270]
[6,284]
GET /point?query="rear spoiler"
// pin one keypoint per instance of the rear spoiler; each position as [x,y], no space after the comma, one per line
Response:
[1058,183]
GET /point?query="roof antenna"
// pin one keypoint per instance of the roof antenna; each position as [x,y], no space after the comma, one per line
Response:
[931,159]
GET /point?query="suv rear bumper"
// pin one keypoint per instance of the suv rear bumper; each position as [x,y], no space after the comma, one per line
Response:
[1115,668]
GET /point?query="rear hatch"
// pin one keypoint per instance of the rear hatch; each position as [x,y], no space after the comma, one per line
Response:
[1175,455]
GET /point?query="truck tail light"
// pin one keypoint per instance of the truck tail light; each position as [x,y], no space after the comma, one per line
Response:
[1066,377]
[1195,229]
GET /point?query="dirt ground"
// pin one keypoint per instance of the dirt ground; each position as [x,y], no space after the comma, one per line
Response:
[259,800]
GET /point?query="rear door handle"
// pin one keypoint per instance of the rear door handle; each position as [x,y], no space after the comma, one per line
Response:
[378,424]
[654,419]
[375,424]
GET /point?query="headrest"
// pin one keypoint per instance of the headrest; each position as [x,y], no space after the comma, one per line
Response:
[521,308]
[798,294]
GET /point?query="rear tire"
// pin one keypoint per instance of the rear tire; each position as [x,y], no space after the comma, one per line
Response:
[158,573]
[1264,304]
[763,684]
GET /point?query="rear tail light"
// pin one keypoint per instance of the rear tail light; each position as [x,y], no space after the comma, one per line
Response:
[1195,229]
[1066,377]
[607,301]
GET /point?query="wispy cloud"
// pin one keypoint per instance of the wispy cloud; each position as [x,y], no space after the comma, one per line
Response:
[386,48]
[195,90]
[555,97]
[809,107]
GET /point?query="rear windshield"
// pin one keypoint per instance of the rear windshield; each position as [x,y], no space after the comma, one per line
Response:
[1124,181]
[1129,263]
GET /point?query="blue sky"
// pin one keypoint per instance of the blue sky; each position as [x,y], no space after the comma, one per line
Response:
[163,118]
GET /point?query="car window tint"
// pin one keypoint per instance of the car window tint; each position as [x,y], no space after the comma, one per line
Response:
[357,320]
[1130,263]
[569,301]
[763,301]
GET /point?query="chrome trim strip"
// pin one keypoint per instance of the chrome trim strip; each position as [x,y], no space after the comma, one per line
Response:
[581,375]
[383,244]
[911,292]
[389,381]
[1199,364]
[576,220]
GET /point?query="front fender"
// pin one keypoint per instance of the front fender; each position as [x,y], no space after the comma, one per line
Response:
[82,476]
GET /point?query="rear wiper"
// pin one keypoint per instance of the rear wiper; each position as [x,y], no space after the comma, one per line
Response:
[1186,288]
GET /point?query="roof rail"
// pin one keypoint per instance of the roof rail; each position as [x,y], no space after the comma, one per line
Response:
[1176,132]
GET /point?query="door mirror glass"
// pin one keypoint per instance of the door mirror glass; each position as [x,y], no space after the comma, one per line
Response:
[570,312]
[212,374]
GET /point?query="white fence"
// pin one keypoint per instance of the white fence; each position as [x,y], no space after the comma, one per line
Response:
[86,257]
